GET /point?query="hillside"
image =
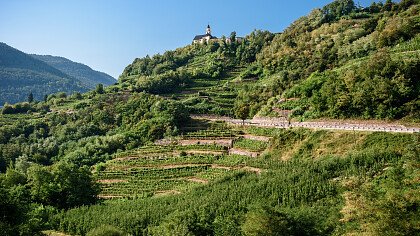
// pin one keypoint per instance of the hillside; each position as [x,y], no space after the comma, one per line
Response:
[89,77]
[341,61]
[332,148]
[21,74]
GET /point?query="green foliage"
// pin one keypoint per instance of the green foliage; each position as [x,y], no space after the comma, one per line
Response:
[335,10]
[242,110]
[106,230]
[99,89]
[327,63]
[64,186]
[18,214]
[380,88]
[66,143]
[22,74]
[265,222]
[339,61]
[163,83]
[82,73]
[308,87]
[300,196]
[398,29]
[247,51]
[252,145]
[30,97]
[17,108]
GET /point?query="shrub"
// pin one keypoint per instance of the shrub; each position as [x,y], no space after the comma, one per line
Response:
[106,230]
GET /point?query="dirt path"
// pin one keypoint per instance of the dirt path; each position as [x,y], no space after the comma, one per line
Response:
[214,166]
[220,142]
[112,181]
[246,168]
[205,152]
[330,124]
[104,196]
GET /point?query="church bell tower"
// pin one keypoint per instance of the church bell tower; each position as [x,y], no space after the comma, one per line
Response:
[208,30]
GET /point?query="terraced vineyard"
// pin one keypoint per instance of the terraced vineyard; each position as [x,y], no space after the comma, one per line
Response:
[211,96]
[197,157]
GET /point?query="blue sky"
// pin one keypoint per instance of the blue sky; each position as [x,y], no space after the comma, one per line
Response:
[107,35]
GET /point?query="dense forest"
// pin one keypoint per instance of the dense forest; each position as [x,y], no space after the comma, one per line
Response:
[128,159]
[22,74]
[82,72]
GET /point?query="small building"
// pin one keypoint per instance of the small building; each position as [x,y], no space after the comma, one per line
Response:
[205,37]
[208,37]
[238,40]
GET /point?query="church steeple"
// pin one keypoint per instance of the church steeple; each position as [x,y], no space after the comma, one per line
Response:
[208,30]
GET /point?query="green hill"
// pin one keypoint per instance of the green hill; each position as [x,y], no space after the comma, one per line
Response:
[90,78]
[341,61]
[21,74]
[130,159]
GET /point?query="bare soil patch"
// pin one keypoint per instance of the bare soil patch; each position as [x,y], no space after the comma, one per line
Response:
[205,152]
[111,181]
[252,169]
[104,196]
[257,138]
[172,166]
[243,152]
[220,142]
[197,180]
[246,168]
[162,193]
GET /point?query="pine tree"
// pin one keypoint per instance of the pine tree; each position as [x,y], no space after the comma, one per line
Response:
[99,89]
[30,97]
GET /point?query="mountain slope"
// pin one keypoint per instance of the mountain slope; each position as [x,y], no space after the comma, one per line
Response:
[21,74]
[82,72]
[340,61]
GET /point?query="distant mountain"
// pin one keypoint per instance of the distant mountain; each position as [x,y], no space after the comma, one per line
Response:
[83,73]
[21,74]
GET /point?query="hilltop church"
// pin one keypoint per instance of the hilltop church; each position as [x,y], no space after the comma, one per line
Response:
[204,37]
[208,37]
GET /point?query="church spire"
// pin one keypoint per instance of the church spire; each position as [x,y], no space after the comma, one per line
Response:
[208,30]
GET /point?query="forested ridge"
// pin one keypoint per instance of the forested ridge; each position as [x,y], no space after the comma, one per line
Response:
[22,74]
[82,72]
[128,159]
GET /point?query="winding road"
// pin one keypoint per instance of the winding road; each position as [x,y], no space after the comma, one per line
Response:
[331,125]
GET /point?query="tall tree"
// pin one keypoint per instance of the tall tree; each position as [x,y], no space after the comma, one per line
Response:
[99,89]
[30,97]
[241,111]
